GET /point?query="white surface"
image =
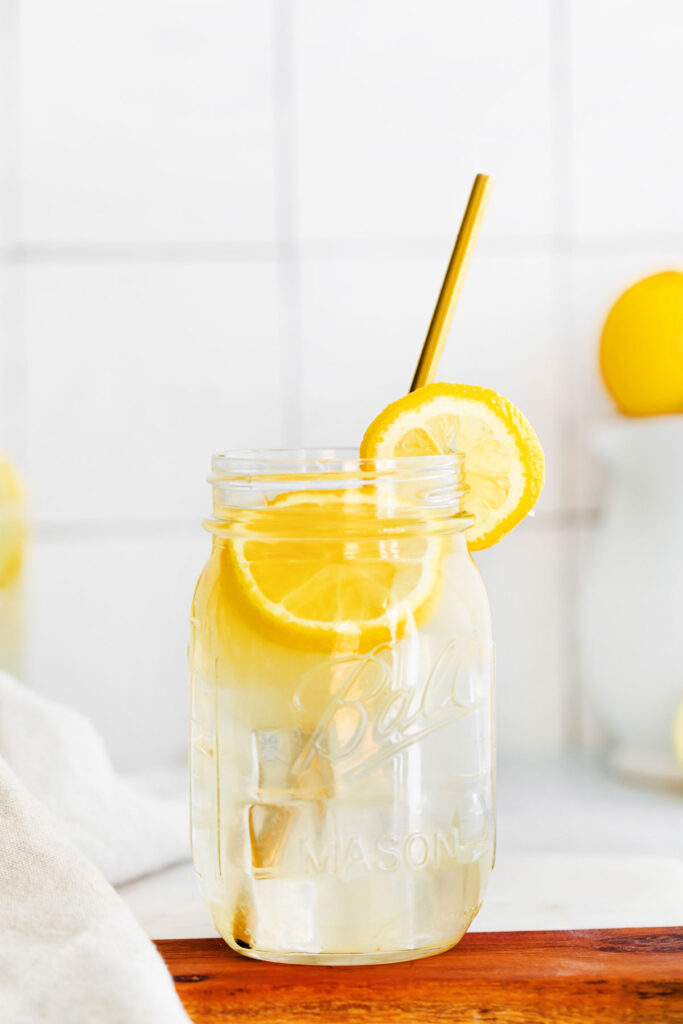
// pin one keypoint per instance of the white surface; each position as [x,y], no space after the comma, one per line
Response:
[527,891]
[168,906]
[535,891]
[577,807]
[577,849]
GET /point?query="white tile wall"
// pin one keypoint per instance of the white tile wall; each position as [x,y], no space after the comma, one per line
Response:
[8,122]
[398,101]
[523,580]
[6,347]
[627,88]
[12,367]
[135,374]
[109,634]
[147,121]
[233,224]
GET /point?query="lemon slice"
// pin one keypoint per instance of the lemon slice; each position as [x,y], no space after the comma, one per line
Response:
[504,464]
[11,523]
[349,588]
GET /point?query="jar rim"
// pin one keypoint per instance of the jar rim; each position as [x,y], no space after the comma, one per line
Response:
[337,462]
[248,485]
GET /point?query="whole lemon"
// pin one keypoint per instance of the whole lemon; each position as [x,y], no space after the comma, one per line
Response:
[641,348]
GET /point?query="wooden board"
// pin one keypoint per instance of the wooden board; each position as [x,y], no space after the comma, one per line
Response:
[617,977]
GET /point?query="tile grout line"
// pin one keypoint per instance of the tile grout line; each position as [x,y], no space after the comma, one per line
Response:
[564,521]
[111,531]
[288,249]
[564,179]
[289,256]
[76,253]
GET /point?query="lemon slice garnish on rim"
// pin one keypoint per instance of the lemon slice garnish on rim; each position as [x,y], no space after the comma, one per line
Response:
[346,589]
[504,463]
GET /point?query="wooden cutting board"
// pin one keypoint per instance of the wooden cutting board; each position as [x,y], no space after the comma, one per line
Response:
[613,976]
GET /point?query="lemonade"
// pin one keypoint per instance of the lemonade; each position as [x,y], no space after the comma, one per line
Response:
[341,753]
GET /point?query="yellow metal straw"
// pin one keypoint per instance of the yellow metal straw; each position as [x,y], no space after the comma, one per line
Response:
[452,283]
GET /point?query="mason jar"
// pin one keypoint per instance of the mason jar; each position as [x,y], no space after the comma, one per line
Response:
[341,709]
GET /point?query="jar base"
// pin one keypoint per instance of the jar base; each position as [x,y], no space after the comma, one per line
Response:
[343,959]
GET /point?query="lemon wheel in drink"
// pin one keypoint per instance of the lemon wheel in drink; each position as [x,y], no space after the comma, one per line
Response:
[349,588]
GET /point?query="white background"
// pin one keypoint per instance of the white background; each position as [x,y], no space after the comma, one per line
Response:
[224,223]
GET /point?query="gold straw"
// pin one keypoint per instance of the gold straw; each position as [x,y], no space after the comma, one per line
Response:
[452,283]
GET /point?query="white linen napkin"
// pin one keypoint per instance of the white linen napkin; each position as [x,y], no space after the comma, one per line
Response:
[71,952]
[61,759]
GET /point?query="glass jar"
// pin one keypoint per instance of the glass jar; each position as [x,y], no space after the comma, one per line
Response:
[341,706]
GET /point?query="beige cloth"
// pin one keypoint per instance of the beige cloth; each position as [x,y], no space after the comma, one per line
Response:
[70,950]
[61,759]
